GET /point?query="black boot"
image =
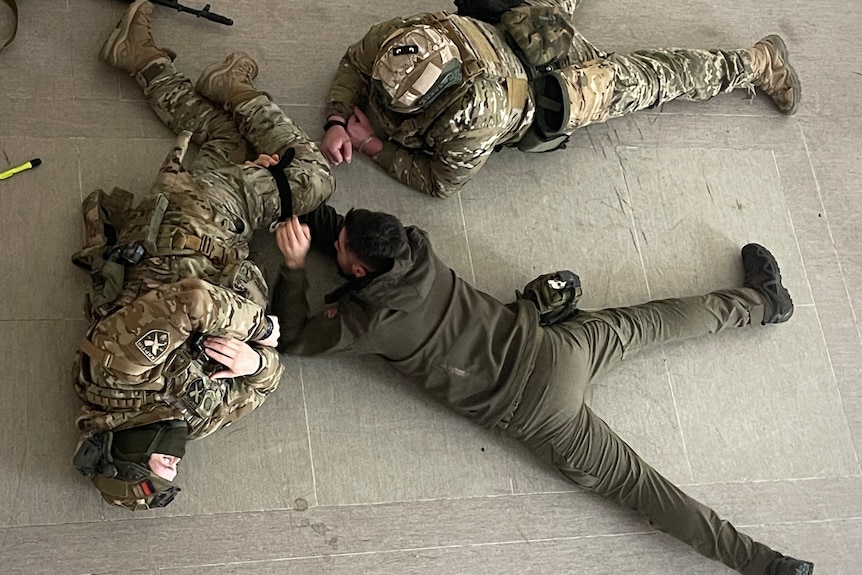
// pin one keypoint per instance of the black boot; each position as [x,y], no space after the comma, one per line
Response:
[762,274]
[784,565]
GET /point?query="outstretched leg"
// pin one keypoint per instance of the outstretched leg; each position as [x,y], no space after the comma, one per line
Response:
[595,458]
[552,418]
[649,78]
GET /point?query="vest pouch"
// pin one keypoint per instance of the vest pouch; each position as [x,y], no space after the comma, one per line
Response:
[555,296]
[192,386]
[246,279]
[107,284]
[543,34]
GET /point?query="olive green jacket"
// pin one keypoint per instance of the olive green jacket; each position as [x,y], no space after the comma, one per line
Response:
[468,350]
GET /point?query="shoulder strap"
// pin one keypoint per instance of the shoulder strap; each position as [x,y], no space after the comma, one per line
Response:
[14,7]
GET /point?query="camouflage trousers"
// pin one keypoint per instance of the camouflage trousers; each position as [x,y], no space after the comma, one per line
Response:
[259,127]
[650,78]
[553,419]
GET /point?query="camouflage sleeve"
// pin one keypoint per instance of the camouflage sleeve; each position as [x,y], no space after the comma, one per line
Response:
[148,329]
[462,139]
[352,80]
[245,393]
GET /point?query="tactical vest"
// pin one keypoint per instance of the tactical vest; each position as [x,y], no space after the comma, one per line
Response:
[119,236]
[484,52]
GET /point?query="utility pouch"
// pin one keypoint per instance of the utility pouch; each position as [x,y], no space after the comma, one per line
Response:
[187,376]
[568,98]
[93,456]
[104,215]
[555,295]
[543,34]
[246,279]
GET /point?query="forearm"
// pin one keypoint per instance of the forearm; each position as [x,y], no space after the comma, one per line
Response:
[438,175]
[265,379]
[146,330]
[302,333]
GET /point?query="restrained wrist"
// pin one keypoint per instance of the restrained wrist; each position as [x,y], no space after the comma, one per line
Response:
[365,142]
[330,123]
[270,325]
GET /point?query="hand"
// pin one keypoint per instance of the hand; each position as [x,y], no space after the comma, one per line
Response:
[264,161]
[294,241]
[359,127]
[238,357]
[272,340]
[336,146]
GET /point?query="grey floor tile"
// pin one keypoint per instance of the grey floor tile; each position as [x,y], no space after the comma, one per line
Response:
[691,224]
[128,163]
[761,404]
[41,55]
[87,74]
[374,439]
[41,222]
[531,214]
[38,483]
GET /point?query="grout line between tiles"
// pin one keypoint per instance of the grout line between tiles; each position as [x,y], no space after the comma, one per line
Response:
[308,434]
[846,291]
[467,238]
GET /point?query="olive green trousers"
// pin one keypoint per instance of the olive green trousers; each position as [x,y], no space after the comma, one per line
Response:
[553,419]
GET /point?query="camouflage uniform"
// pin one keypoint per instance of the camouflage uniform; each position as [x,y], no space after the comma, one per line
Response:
[224,139]
[439,149]
[135,366]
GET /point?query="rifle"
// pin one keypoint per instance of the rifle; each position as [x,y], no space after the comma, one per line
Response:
[202,13]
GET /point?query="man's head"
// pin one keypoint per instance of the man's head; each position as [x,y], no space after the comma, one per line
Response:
[368,242]
[134,468]
[414,65]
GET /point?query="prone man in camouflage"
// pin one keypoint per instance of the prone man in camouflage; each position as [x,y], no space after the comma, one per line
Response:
[443,91]
[180,344]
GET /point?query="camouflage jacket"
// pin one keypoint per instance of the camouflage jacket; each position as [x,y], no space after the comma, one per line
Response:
[194,278]
[439,149]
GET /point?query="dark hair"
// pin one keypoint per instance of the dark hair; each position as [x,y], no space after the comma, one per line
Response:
[374,237]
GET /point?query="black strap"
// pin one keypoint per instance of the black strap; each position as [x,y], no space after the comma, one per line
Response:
[331,123]
[14,8]
[283,184]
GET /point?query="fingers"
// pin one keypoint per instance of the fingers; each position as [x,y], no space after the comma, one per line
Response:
[237,356]
[347,150]
[359,115]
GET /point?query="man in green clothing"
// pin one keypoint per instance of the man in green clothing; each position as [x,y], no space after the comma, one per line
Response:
[430,97]
[179,344]
[497,366]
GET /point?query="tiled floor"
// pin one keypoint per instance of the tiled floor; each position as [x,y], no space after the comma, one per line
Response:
[347,469]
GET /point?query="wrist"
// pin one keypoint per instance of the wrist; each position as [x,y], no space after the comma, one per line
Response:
[294,264]
[269,325]
[334,121]
[371,145]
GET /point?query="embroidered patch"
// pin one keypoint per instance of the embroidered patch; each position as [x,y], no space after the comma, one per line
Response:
[153,344]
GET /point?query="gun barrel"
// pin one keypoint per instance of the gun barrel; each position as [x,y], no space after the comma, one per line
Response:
[202,13]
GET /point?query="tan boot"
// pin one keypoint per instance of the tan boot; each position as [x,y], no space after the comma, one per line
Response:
[231,82]
[130,46]
[775,76]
